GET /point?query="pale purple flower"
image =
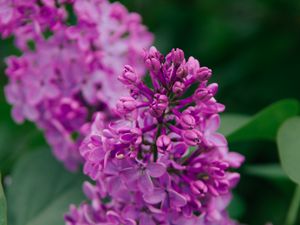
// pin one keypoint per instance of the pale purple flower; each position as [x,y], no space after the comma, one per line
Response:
[71,71]
[163,162]
[141,176]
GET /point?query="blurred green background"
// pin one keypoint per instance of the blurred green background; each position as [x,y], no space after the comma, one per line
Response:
[253,48]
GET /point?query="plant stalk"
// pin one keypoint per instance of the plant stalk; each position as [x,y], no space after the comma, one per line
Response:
[291,218]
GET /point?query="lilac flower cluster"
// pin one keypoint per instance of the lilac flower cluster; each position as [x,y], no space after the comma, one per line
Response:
[71,71]
[163,161]
[27,20]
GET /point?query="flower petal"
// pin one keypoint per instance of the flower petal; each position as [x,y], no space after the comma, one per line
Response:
[217,139]
[113,217]
[155,197]
[156,169]
[130,174]
[176,199]
[145,183]
[146,219]
[213,123]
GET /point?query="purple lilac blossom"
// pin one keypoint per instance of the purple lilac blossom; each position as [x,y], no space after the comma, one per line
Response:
[162,162]
[61,81]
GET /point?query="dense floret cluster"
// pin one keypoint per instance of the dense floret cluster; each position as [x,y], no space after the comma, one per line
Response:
[72,54]
[163,161]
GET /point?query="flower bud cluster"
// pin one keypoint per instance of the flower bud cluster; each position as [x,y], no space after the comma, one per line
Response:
[163,162]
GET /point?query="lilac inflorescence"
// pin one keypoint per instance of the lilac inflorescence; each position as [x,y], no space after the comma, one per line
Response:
[163,161]
[68,72]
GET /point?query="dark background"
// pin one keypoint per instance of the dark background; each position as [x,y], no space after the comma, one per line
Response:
[253,48]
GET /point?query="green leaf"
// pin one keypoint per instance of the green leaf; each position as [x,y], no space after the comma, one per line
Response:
[3,211]
[232,122]
[271,171]
[16,141]
[41,190]
[265,124]
[288,140]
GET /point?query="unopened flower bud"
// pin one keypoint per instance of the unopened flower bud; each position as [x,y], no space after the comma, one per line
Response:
[128,77]
[198,187]
[126,105]
[159,105]
[152,60]
[178,88]
[178,56]
[153,52]
[163,143]
[152,64]
[203,74]
[202,94]
[181,72]
[213,88]
[192,137]
[187,121]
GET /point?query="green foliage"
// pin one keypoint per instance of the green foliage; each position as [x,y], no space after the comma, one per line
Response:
[3,211]
[268,171]
[15,141]
[265,124]
[41,190]
[232,122]
[288,141]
